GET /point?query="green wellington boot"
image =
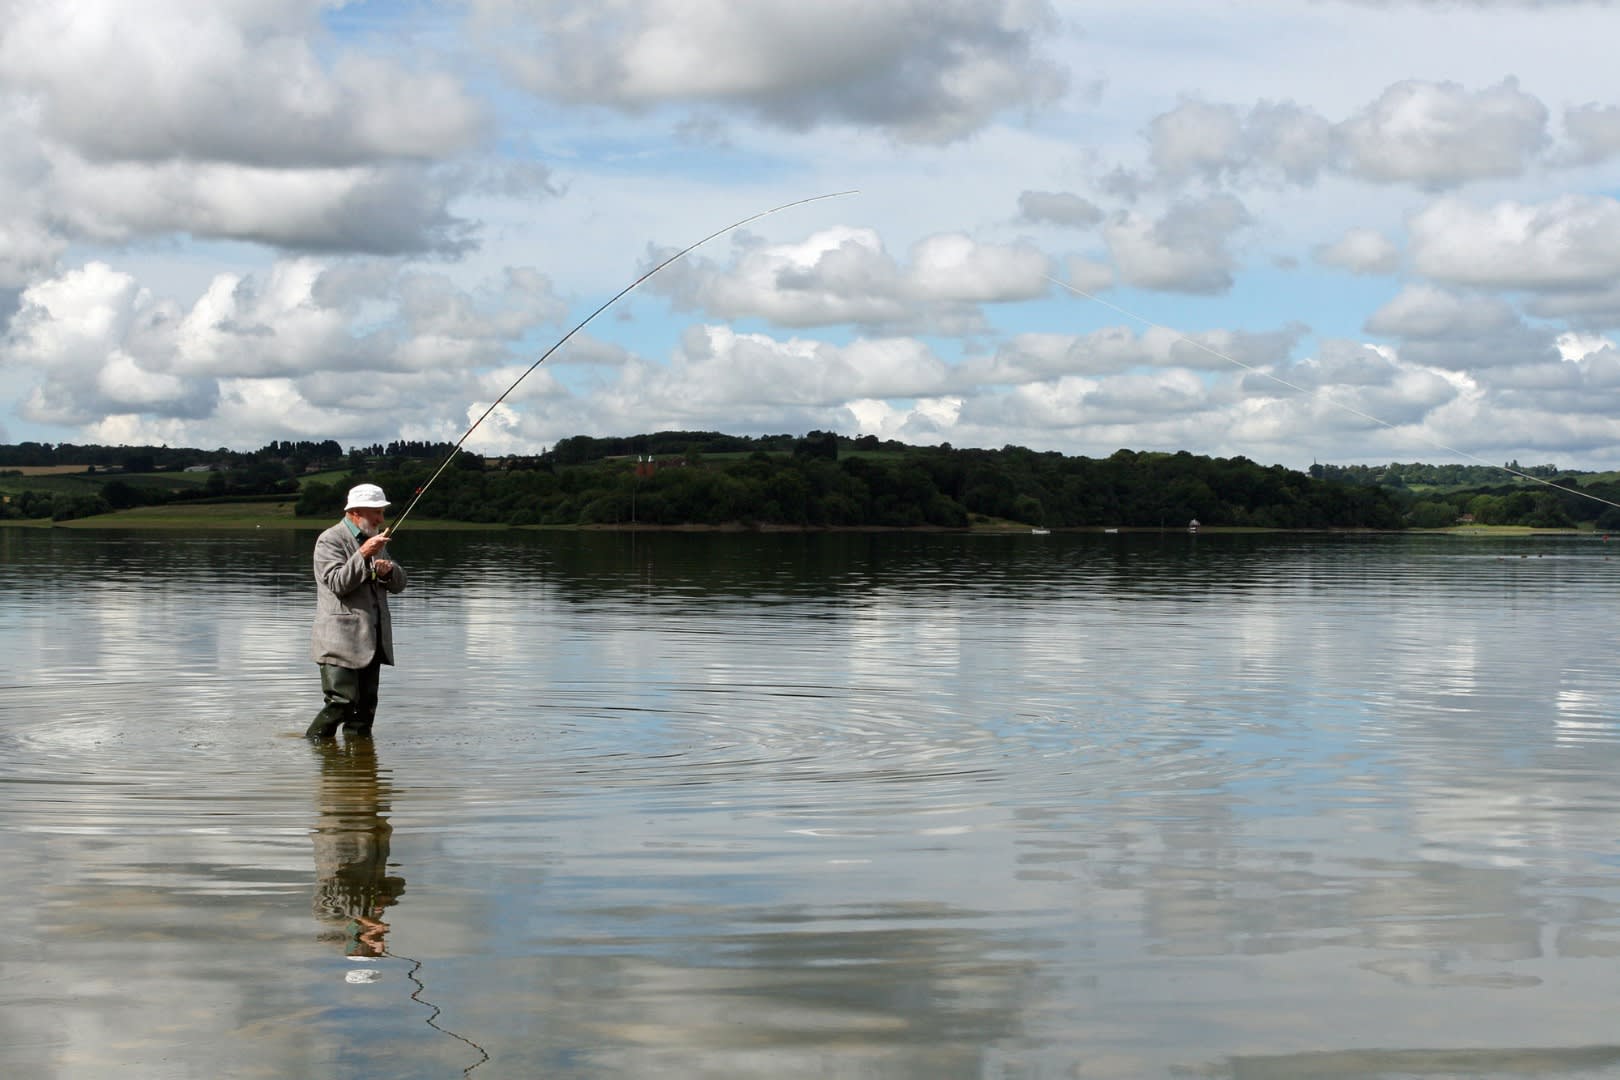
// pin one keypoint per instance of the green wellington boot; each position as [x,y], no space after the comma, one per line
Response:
[326,722]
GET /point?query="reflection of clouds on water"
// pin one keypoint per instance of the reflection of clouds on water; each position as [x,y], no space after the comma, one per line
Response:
[1139,810]
[1584,716]
[1257,793]
[887,993]
[147,611]
[150,893]
[490,618]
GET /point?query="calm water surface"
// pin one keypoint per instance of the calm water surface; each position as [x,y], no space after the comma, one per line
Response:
[817,806]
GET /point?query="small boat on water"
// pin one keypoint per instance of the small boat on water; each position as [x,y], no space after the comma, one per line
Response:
[1038,531]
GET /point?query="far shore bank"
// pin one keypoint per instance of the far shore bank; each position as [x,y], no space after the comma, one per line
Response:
[248,516]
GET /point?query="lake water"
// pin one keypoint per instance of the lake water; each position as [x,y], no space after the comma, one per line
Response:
[1100,806]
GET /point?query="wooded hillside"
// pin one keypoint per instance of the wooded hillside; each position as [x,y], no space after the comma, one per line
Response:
[817,480]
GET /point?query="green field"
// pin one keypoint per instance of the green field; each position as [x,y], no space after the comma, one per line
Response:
[222,515]
[91,483]
[331,476]
[1507,480]
[279,515]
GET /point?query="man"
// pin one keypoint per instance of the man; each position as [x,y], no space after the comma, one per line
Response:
[352,636]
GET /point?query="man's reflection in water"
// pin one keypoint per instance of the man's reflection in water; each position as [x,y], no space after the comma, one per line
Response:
[353,885]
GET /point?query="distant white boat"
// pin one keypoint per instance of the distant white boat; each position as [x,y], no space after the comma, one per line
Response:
[1038,531]
[1110,530]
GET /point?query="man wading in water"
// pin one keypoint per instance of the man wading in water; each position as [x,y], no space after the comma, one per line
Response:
[353,638]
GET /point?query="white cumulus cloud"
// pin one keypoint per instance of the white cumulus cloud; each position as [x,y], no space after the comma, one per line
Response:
[1187,249]
[242,82]
[1568,243]
[923,70]
[1441,134]
[846,275]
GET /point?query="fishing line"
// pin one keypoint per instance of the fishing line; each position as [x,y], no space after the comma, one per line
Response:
[582,324]
[432,1021]
[1179,336]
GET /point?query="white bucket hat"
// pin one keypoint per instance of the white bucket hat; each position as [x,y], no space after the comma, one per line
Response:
[366,497]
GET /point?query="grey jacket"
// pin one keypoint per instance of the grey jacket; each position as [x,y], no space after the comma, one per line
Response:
[351,608]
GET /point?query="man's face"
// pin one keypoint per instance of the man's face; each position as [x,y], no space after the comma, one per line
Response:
[367,517]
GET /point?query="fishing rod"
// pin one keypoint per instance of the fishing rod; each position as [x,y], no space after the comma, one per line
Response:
[394,528]
[1179,336]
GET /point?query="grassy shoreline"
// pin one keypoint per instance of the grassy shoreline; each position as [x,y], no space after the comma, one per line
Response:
[261,515]
[225,516]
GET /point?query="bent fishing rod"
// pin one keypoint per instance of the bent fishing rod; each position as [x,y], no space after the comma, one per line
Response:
[394,528]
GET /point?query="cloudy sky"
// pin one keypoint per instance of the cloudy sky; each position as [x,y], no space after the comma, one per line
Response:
[1297,231]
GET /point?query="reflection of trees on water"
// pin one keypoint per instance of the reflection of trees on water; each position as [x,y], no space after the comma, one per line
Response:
[353,886]
[588,566]
[854,567]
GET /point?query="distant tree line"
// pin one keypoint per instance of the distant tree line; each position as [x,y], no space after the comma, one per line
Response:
[582,449]
[1551,506]
[135,474]
[828,480]
[34,505]
[146,459]
[1397,474]
[823,479]
[1540,496]
[121,491]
